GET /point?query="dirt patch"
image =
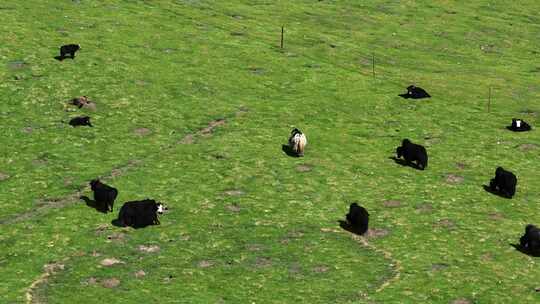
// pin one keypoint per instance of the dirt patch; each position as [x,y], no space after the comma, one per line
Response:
[254,247]
[263,262]
[424,208]
[90,281]
[461,301]
[3,176]
[527,147]
[149,249]
[95,253]
[445,223]
[110,262]
[211,126]
[205,264]
[48,270]
[233,208]
[90,106]
[110,283]
[116,237]
[391,203]
[101,228]
[28,130]
[453,179]
[321,269]
[496,216]
[17,65]
[486,257]
[439,266]
[233,192]
[187,140]
[142,131]
[304,168]
[376,233]
[139,274]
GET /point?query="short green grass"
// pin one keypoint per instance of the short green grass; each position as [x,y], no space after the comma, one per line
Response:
[174,66]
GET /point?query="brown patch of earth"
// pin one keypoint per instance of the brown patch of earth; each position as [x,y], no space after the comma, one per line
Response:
[527,147]
[376,233]
[110,283]
[487,257]
[496,216]
[424,207]
[187,140]
[28,130]
[234,192]
[142,131]
[321,269]
[263,262]
[454,179]
[439,266]
[149,249]
[110,261]
[3,176]
[254,247]
[445,223]
[211,126]
[304,168]
[90,281]
[233,208]
[205,264]
[90,106]
[461,301]
[391,203]
[139,274]
[116,237]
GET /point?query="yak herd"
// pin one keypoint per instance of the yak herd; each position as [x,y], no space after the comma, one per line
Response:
[139,214]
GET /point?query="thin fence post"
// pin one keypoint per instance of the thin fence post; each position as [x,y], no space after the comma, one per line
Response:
[282,33]
[373,63]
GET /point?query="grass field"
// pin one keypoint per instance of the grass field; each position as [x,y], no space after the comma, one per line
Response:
[194,102]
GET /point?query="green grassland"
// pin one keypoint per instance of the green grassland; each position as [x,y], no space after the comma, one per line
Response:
[217,98]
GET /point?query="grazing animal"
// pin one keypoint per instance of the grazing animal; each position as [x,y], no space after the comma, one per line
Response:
[80,101]
[519,125]
[358,218]
[104,195]
[504,183]
[530,241]
[413,152]
[69,49]
[297,142]
[80,121]
[415,92]
[139,214]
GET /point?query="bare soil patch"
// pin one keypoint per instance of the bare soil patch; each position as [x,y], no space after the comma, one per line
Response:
[392,203]
[139,274]
[233,208]
[496,216]
[187,140]
[233,192]
[461,301]
[439,266]
[110,262]
[116,237]
[445,223]
[110,283]
[3,176]
[149,248]
[375,233]
[321,269]
[254,247]
[28,130]
[453,179]
[304,168]
[205,264]
[142,131]
[263,262]
[527,147]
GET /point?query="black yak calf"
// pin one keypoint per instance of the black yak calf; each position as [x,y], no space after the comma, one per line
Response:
[103,195]
[357,218]
[504,183]
[139,214]
[80,121]
[297,142]
[413,152]
[69,49]
[519,125]
[530,241]
[415,92]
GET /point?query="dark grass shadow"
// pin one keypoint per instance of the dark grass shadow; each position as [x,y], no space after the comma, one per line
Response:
[93,204]
[288,150]
[525,251]
[345,226]
[488,189]
[402,162]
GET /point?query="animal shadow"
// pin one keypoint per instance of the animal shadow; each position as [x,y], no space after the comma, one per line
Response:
[93,204]
[116,223]
[288,150]
[59,58]
[488,189]
[345,226]
[404,95]
[525,251]
[402,162]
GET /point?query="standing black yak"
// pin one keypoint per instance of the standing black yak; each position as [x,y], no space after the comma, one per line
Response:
[103,195]
[504,183]
[413,152]
[139,214]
